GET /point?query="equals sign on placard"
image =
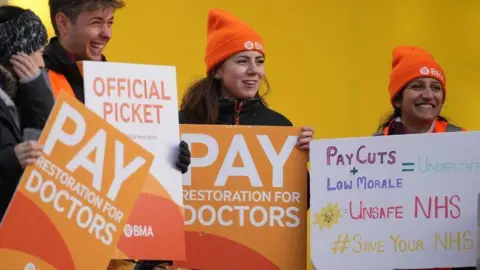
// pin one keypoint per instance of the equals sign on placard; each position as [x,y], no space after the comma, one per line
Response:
[408,167]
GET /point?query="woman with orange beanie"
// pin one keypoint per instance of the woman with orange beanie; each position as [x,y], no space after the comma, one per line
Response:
[229,94]
[417,92]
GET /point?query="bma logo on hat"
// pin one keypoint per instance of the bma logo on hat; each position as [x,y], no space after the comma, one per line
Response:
[249,45]
[424,71]
[436,73]
[431,71]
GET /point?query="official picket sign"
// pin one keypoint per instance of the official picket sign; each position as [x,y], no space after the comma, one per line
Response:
[141,101]
[245,198]
[407,202]
[70,207]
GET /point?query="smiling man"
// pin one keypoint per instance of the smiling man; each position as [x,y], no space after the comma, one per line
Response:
[83,28]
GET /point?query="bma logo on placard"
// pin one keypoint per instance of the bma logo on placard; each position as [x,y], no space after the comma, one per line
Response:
[30,266]
[138,231]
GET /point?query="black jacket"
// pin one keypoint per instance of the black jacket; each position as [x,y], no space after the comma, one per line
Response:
[249,112]
[33,101]
[10,169]
[59,60]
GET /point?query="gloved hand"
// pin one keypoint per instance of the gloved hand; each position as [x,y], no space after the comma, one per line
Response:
[183,157]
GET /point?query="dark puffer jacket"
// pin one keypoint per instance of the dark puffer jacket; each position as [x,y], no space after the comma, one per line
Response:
[251,112]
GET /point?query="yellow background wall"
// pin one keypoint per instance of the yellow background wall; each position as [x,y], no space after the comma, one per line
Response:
[327,61]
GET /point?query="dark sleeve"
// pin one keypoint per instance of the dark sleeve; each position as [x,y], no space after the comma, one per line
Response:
[283,121]
[35,102]
[278,119]
[182,118]
[10,169]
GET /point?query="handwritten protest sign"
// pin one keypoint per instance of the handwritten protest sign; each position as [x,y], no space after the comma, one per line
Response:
[70,207]
[245,198]
[141,101]
[406,202]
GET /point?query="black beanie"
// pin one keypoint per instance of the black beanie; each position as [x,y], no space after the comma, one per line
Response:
[25,33]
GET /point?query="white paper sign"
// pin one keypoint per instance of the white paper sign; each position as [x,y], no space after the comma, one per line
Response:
[395,201]
[141,101]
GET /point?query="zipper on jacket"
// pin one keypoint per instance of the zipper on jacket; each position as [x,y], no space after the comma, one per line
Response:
[238,109]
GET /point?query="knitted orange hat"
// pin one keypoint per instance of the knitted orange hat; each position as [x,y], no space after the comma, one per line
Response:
[410,63]
[227,35]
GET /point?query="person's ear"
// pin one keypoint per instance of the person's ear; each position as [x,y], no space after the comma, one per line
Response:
[63,23]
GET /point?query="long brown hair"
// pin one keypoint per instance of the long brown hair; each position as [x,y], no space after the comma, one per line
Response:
[200,103]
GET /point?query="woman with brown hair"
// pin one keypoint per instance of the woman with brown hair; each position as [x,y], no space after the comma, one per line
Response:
[417,93]
[229,94]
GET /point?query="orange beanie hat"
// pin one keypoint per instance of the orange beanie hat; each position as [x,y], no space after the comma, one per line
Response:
[410,63]
[227,35]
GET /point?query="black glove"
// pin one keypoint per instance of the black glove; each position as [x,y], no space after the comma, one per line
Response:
[183,157]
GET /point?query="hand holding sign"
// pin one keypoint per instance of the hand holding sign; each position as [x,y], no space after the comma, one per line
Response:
[28,152]
[305,138]
[184,157]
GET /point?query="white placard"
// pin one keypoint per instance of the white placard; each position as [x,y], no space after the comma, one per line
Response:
[141,101]
[395,201]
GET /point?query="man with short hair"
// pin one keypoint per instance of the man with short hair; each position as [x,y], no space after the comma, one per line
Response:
[83,28]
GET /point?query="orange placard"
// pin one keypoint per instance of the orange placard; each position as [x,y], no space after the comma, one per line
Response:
[70,207]
[245,198]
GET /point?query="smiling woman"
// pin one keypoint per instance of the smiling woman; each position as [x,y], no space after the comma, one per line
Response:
[242,75]
[230,93]
[417,92]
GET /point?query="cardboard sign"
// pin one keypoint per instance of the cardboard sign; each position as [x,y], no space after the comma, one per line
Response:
[245,198]
[396,202]
[141,101]
[70,207]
